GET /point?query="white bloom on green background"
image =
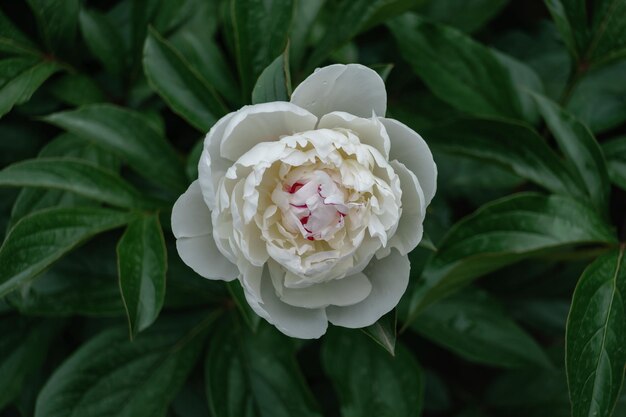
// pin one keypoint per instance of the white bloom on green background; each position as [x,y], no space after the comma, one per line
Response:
[313,205]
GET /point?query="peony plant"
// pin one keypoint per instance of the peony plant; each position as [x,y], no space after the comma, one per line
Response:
[313,204]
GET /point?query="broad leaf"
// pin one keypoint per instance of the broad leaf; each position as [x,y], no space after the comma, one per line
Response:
[473,325]
[368,380]
[274,83]
[12,40]
[254,375]
[23,348]
[530,392]
[109,375]
[349,17]
[595,353]
[247,20]
[466,15]
[580,148]
[104,41]
[41,238]
[512,146]
[593,31]
[65,145]
[182,87]
[615,153]
[205,58]
[20,78]
[129,135]
[457,69]
[76,90]
[85,282]
[383,331]
[75,176]
[251,319]
[142,265]
[598,98]
[502,233]
[57,21]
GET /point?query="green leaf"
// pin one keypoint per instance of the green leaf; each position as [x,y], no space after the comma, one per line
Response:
[305,13]
[615,153]
[109,375]
[205,57]
[580,148]
[540,48]
[349,17]
[249,316]
[142,265]
[188,94]
[20,78]
[512,146]
[383,331]
[524,80]
[599,98]
[73,175]
[104,40]
[595,350]
[41,238]
[85,282]
[594,31]
[57,21]
[473,325]
[12,40]
[191,166]
[23,349]
[247,20]
[530,392]
[254,374]
[502,233]
[129,135]
[65,145]
[465,15]
[457,69]
[76,90]
[368,380]
[274,83]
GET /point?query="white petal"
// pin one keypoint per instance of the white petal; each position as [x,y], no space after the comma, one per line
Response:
[370,131]
[302,323]
[389,277]
[409,148]
[190,215]
[352,88]
[212,166]
[264,122]
[201,254]
[338,292]
[410,228]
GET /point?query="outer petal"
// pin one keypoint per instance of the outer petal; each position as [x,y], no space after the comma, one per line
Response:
[212,166]
[352,88]
[263,123]
[409,148]
[302,323]
[191,224]
[410,228]
[338,292]
[190,215]
[201,254]
[370,131]
[389,277]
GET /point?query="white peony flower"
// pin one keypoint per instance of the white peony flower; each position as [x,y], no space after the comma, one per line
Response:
[313,205]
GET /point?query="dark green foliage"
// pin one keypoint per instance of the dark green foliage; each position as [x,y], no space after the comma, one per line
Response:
[515,306]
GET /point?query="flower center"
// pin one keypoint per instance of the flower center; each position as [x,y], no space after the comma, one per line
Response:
[313,204]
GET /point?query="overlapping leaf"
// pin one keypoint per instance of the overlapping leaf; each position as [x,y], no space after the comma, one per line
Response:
[596,337]
[502,233]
